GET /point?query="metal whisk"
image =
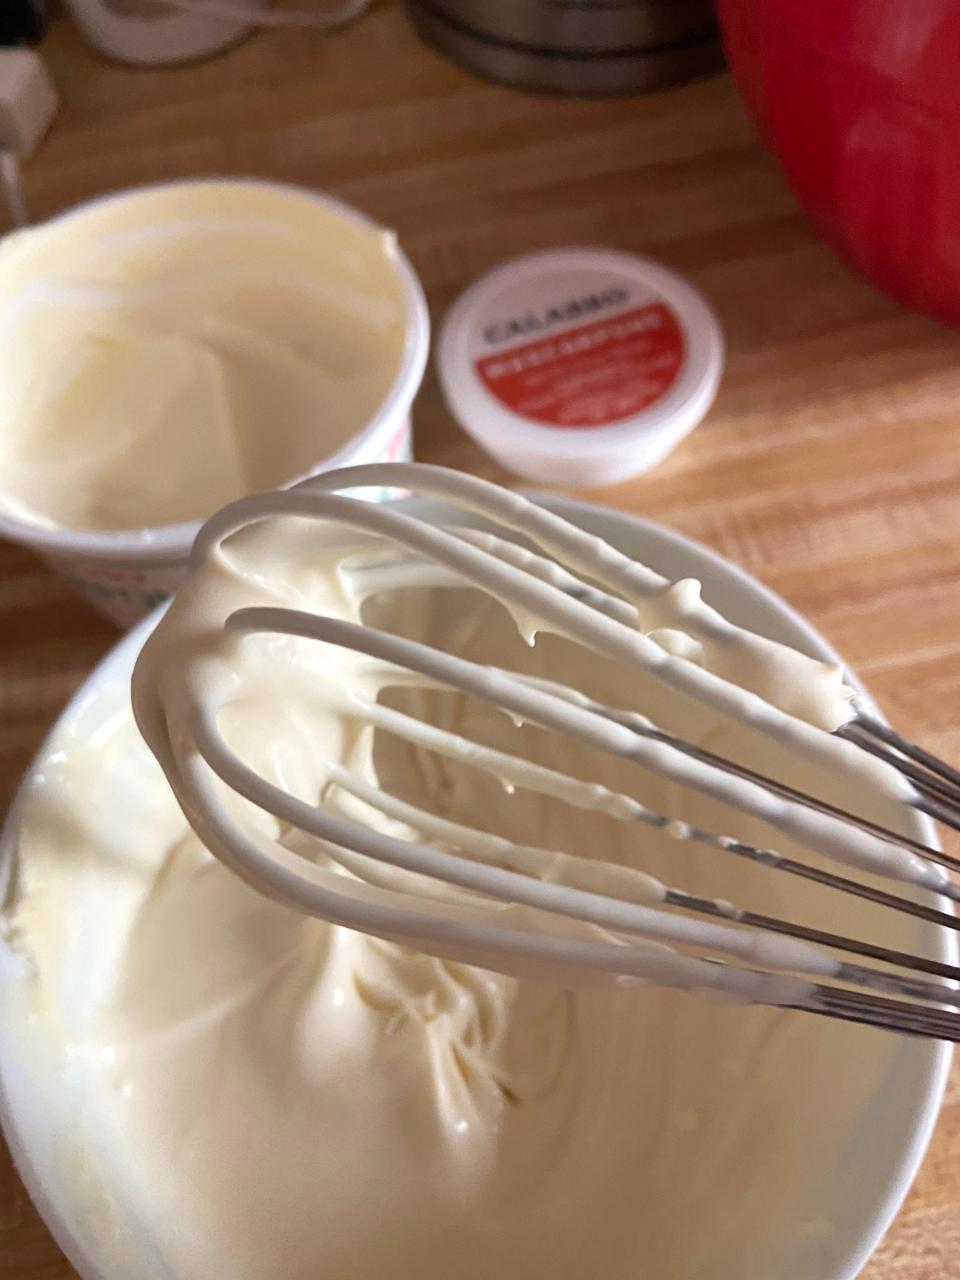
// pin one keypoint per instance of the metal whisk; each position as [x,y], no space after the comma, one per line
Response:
[630,925]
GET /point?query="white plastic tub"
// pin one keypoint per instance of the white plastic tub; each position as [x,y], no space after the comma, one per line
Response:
[126,573]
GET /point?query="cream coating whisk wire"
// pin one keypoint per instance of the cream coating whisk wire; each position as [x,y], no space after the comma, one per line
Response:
[587,915]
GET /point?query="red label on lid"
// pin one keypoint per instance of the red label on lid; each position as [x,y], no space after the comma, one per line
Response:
[592,375]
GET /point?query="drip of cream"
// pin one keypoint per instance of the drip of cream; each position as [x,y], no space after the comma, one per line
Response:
[168,351]
[312,1102]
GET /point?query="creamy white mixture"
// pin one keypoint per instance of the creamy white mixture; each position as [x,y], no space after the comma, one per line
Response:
[166,352]
[293,1099]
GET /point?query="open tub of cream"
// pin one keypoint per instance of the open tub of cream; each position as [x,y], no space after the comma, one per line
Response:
[167,349]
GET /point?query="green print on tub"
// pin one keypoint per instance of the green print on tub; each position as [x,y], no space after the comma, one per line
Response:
[141,596]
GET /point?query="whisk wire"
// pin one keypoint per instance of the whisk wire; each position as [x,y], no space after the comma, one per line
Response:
[606,912]
[798,965]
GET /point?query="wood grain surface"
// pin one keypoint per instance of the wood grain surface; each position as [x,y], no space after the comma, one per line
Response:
[829,467]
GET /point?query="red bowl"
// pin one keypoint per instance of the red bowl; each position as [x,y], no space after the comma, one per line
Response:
[860,101]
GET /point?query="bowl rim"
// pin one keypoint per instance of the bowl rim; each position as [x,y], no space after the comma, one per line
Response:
[932,1074]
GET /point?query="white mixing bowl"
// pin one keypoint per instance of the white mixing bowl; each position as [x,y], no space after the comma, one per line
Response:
[859,1193]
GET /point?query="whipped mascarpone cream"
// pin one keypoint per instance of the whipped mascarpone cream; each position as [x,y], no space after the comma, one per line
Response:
[268,1095]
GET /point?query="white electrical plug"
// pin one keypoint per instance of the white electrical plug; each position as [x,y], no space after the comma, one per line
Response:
[28,102]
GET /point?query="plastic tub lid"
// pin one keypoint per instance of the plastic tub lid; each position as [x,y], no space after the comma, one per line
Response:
[581,365]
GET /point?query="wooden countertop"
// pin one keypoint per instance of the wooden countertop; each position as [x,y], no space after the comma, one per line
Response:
[829,467]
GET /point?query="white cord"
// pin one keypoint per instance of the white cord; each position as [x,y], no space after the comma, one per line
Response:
[337,15]
[13,188]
